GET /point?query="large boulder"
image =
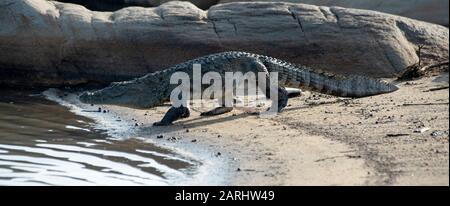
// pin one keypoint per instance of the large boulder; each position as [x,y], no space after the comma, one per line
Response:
[50,43]
[435,11]
[112,5]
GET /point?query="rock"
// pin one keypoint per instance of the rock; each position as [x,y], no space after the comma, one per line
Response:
[421,129]
[46,43]
[436,133]
[105,5]
[172,139]
[113,5]
[203,4]
[435,11]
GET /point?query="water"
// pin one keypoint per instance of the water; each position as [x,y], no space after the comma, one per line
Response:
[43,143]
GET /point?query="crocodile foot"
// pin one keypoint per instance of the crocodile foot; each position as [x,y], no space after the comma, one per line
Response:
[173,114]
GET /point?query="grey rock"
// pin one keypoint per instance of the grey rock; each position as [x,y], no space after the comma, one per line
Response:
[113,5]
[47,43]
[435,11]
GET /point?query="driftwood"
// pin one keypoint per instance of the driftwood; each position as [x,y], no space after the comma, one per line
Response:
[425,104]
[417,70]
[436,89]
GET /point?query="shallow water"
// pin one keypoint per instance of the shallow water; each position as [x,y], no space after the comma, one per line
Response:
[43,143]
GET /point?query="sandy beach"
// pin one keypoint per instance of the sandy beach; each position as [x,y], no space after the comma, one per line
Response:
[399,138]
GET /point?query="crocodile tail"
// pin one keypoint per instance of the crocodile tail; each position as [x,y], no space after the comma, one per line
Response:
[337,85]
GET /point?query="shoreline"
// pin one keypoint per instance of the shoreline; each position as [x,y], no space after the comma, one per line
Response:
[119,125]
[318,139]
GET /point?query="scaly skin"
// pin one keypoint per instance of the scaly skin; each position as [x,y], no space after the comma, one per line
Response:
[153,89]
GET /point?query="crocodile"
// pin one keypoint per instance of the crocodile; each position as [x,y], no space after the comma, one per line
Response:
[154,88]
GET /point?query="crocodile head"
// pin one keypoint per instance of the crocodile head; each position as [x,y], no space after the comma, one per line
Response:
[138,93]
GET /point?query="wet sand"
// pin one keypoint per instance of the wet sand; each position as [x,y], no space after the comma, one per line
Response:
[320,139]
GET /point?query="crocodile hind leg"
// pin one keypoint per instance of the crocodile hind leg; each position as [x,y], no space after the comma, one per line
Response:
[282,97]
[173,114]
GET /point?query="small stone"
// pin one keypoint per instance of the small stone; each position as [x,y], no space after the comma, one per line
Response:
[421,129]
[436,133]
[218,154]
[219,136]
[159,136]
[173,139]
[238,169]
[187,130]
[99,109]
[194,140]
[136,124]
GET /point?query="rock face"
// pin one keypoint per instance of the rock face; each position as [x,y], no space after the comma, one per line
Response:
[113,5]
[435,11]
[50,43]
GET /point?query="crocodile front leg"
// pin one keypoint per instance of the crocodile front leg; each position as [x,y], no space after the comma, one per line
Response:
[173,114]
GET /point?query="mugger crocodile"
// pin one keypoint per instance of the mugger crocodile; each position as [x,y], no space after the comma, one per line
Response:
[153,89]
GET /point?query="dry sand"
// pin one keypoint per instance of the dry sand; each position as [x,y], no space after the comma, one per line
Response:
[323,140]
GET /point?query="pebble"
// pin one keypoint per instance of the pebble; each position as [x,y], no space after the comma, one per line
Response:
[436,133]
[173,139]
[194,140]
[421,129]
[159,136]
